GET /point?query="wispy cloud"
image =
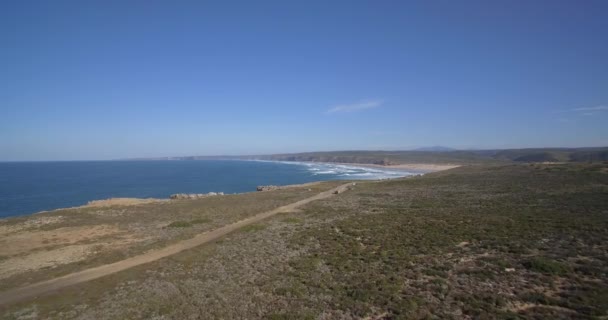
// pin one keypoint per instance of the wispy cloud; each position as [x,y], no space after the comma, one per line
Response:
[584,111]
[588,109]
[575,113]
[363,105]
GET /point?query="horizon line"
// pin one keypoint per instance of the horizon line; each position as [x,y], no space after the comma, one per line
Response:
[165,158]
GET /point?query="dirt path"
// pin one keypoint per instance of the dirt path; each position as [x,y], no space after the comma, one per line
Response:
[44,287]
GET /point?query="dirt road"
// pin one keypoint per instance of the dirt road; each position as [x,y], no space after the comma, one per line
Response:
[45,287]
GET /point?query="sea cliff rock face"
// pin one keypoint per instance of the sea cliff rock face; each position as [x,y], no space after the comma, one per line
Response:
[178,196]
[267,188]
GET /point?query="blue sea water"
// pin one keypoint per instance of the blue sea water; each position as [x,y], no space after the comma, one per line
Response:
[29,187]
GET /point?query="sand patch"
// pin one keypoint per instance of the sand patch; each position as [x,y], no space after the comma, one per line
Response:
[44,259]
[31,251]
[25,241]
[426,167]
[24,292]
[423,166]
[121,202]
[30,223]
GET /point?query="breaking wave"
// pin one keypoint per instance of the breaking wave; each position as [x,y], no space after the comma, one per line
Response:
[349,172]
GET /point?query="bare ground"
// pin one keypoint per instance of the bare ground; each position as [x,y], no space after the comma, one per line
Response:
[52,244]
[501,242]
[14,295]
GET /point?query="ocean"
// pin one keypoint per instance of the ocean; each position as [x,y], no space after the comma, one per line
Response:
[29,187]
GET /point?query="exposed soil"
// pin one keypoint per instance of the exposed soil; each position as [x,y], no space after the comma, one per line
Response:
[478,242]
[18,294]
[121,202]
[32,248]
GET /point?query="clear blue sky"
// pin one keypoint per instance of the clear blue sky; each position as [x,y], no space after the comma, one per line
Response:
[117,79]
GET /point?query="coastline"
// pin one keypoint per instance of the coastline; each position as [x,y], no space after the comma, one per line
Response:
[62,242]
[420,167]
[126,202]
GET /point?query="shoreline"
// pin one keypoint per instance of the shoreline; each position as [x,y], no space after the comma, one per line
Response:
[130,201]
[419,168]
[45,286]
[422,167]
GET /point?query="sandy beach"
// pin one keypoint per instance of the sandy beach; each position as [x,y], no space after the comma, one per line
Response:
[423,167]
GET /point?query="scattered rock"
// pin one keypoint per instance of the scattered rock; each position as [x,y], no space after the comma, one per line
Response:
[179,196]
[463,244]
[509,269]
[268,188]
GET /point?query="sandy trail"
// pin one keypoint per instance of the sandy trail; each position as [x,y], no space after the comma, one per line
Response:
[45,287]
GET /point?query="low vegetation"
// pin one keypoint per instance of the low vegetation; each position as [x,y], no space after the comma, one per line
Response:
[186,224]
[253,228]
[69,240]
[180,224]
[452,156]
[439,156]
[525,241]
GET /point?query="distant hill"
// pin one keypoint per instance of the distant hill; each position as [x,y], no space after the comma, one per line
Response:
[433,156]
[451,156]
[589,155]
[434,149]
[385,157]
[537,157]
[549,154]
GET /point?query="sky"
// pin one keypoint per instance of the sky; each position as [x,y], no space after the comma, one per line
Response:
[84,80]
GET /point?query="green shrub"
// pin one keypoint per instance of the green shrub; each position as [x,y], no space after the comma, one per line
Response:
[292,220]
[200,221]
[179,224]
[544,265]
[253,228]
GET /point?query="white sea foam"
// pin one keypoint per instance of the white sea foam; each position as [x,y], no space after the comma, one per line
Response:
[347,172]
[339,171]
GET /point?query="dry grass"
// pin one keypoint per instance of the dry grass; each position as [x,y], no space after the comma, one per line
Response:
[130,230]
[509,242]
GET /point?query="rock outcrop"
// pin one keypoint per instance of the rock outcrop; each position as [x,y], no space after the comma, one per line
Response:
[267,188]
[178,196]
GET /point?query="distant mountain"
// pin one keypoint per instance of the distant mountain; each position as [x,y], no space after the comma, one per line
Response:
[435,148]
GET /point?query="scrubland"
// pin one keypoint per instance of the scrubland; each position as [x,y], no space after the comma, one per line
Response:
[525,241]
